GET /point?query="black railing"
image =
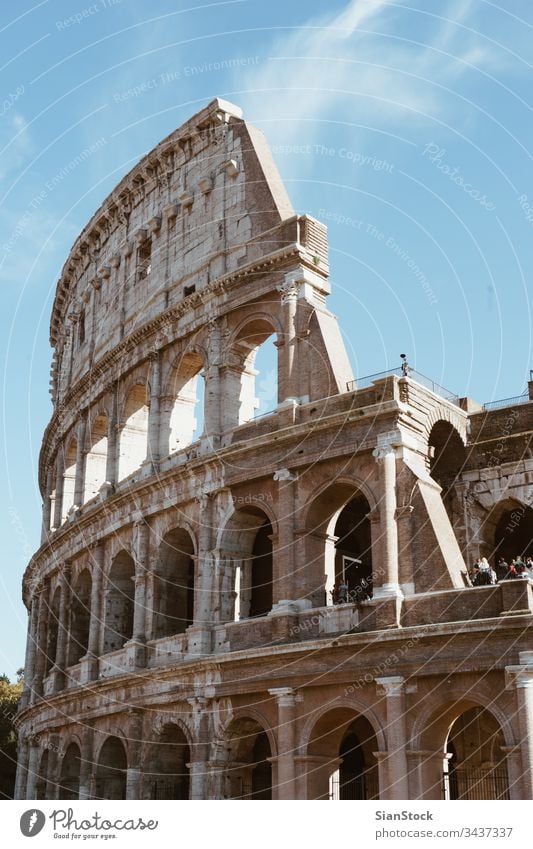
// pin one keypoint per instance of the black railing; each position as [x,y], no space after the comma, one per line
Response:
[364,786]
[418,377]
[478,783]
[507,402]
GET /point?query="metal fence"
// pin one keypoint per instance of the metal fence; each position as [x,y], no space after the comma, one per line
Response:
[418,377]
[364,786]
[476,783]
[507,402]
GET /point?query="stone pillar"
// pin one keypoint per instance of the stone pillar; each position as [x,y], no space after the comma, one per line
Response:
[23,754]
[58,504]
[385,455]
[397,780]
[53,765]
[287,699]
[520,678]
[426,773]
[86,761]
[153,456]
[288,372]
[213,395]
[198,766]
[42,632]
[89,667]
[112,444]
[283,556]
[31,649]
[135,742]
[513,758]
[206,597]
[80,461]
[137,644]
[47,507]
[61,658]
[33,769]
[405,549]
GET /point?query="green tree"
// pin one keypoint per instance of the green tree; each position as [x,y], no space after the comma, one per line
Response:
[9,697]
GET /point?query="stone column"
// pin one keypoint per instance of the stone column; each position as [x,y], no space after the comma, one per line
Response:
[426,773]
[213,396]
[42,632]
[283,556]
[31,649]
[53,765]
[289,391]
[80,461]
[135,742]
[397,784]
[198,766]
[61,658]
[137,644]
[206,598]
[89,667]
[112,444]
[153,456]
[23,754]
[33,769]
[287,699]
[86,761]
[385,455]
[520,678]
[47,507]
[58,505]
[513,757]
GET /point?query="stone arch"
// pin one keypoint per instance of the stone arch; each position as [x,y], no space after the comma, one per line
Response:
[446,414]
[69,775]
[246,562]
[111,769]
[338,541]
[133,432]
[239,373]
[166,764]
[42,776]
[249,747]
[174,583]
[119,602]
[508,530]
[96,456]
[181,410]
[69,477]
[432,727]
[80,616]
[340,748]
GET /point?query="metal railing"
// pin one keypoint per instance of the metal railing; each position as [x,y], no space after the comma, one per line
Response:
[507,402]
[363,786]
[476,783]
[418,377]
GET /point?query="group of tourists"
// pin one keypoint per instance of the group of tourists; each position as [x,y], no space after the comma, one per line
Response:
[484,574]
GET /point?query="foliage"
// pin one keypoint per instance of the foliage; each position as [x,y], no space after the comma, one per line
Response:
[9,696]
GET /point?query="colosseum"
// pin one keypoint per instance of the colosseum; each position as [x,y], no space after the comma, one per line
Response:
[227,605]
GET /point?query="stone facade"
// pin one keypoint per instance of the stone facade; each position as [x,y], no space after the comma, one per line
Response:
[182,641]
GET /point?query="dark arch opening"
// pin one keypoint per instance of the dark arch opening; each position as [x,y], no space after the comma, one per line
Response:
[249,773]
[513,536]
[111,771]
[119,603]
[174,585]
[53,630]
[353,549]
[40,786]
[262,768]
[447,457]
[168,776]
[69,780]
[80,617]
[477,766]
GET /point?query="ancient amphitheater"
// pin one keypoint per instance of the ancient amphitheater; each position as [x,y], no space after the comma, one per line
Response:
[182,641]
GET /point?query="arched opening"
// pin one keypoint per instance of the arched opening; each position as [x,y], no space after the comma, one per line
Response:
[339,546]
[476,764]
[447,456]
[119,602]
[133,439]
[168,773]
[69,777]
[353,551]
[247,546]
[174,584]
[513,533]
[184,410]
[243,381]
[111,772]
[53,629]
[96,459]
[343,744]
[249,772]
[69,479]
[40,786]
[80,617]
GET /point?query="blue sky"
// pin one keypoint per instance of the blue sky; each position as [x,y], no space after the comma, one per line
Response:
[406,127]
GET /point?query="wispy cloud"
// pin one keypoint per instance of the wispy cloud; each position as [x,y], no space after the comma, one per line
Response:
[373,61]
